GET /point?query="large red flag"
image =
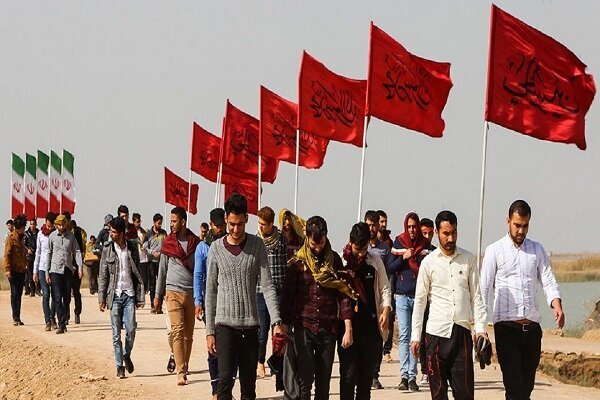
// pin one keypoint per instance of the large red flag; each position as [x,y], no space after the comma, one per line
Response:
[405,89]
[278,127]
[176,192]
[331,105]
[206,149]
[240,147]
[536,86]
[246,187]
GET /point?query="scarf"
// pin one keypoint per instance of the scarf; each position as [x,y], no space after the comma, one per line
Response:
[323,272]
[352,265]
[170,247]
[418,244]
[272,240]
[46,231]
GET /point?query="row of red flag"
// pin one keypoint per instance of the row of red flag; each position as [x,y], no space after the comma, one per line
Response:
[536,86]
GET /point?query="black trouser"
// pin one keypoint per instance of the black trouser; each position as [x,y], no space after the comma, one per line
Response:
[386,347]
[357,362]
[451,360]
[518,348]
[314,357]
[237,347]
[61,293]
[152,275]
[17,279]
[76,294]
[423,349]
[94,270]
[144,272]
[29,283]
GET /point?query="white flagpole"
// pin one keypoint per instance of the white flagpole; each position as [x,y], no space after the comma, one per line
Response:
[297,168]
[486,127]
[189,199]
[217,186]
[259,177]
[362,170]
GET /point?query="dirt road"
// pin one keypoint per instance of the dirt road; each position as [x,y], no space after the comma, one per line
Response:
[35,364]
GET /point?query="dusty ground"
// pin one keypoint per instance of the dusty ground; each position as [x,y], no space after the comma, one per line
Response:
[35,364]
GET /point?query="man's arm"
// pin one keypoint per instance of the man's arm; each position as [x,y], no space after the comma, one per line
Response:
[38,254]
[488,278]
[200,257]
[103,279]
[288,297]
[7,255]
[421,295]
[395,258]
[266,283]
[548,281]
[477,303]
[161,279]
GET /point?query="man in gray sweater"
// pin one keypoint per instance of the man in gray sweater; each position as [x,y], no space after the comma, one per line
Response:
[235,263]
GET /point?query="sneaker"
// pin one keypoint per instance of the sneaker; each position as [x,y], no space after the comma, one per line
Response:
[403,384]
[48,327]
[376,384]
[412,386]
[171,364]
[120,372]
[424,380]
[387,358]
[77,319]
[128,364]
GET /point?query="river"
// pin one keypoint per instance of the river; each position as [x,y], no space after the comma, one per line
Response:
[578,299]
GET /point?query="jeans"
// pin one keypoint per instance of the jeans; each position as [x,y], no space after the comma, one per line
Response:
[180,306]
[122,315]
[265,326]
[314,357]
[408,362]
[61,292]
[48,305]
[17,280]
[237,348]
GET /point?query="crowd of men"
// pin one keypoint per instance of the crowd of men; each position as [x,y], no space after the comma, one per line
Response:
[313,301]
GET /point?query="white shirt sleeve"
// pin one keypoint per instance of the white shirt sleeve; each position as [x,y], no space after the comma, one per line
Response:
[421,296]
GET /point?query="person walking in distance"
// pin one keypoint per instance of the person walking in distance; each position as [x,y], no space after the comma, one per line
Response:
[154,238]
[40,270]
[15,265]
[30,248]
[511,270]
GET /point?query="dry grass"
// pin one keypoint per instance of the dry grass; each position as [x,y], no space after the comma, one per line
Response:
[573,268]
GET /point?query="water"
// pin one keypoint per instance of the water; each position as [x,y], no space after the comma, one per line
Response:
[578,300]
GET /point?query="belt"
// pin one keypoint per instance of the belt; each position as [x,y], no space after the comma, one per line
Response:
[522,326]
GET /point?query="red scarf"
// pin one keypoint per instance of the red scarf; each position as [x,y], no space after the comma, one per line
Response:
[418,244]
[171,247]
[352,265]
[46,231]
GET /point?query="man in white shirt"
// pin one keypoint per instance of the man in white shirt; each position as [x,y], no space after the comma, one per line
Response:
[449,280]
[121,290]
[511,269]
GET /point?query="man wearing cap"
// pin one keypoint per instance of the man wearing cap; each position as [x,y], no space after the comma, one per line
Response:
[64,260]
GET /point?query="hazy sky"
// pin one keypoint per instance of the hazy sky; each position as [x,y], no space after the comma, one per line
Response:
[118,83]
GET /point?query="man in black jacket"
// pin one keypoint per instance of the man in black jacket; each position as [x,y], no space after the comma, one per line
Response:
[30,247]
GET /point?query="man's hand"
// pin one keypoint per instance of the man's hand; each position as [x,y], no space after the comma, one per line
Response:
[35,278]
[80,274]
[277,329]
[156,254]
[407,254]
[559,315]
[347,339]
[102,306]
[156,303]
[414,348]
[7,273]
[211,344]
[199,312]
[284,328]
[383,319]
[48,281]
[29,251]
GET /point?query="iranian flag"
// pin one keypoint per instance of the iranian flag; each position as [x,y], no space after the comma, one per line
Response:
[30,184]
[43,187]
[68,186]
[55,182]
[18,171]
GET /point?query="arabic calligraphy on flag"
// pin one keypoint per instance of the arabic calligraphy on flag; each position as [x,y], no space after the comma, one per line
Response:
[246,187]
[176,192]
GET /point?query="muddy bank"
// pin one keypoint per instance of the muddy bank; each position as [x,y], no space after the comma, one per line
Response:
[580,369]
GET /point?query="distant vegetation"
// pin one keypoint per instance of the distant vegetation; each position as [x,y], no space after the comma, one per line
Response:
[576,268]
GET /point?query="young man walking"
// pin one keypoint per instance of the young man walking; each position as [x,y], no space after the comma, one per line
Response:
[366,273]
[512,267]
[121,290]
[30,248]
[40,270]
[235,264]
[175,282]
[155,236]
[448,277]
[141,239]
[15,264]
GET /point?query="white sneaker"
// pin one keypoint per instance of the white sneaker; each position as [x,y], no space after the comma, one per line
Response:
[424,380]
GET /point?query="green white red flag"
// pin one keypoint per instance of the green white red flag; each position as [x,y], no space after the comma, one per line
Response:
[55,182]
[68,183]
[43,186]
[30,186]
[16,184]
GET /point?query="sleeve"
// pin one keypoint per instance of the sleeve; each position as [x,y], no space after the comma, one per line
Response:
[200,273]
[212,289]
[103,278]
[546,276]
[477,303]
[385,292]
[161,279]
[50,251]
[38,253]
[488,277]
[345,303]
[266,283]
[78,258]
[394,260]
[421,296]
[7,254]
[288,297]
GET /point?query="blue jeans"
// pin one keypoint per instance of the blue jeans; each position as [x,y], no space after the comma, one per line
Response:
[404,311]
[122,316]
[47,306]
[265,326]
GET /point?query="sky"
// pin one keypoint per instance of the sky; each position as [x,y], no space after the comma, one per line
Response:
[119,83]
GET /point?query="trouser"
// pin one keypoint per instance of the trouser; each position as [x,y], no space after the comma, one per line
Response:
[386,347]
[180,306]
[357,362]
[76,295]
[48,305]
[152,275]
[451,360]
[265,326]
[408,362]
[144,272]
[518,348]
[122,315]
[422,348]
[314,357]
[61,291]
[94,270]
[237,348]
[29,283]
[17,280]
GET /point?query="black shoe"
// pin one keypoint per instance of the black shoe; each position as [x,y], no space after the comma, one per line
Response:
[171,364]
[412,386]
[403,384]
[60,330]
[53,324]
[120,372]
[16,323]
[77,319]
[48,327]
[376,384]
[128,364]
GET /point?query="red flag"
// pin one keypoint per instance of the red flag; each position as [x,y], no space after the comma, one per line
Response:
[278,127]
[246,187]
[176,192]
[405,89]
[240,147]
[331,105]
[206,149]
[536,86]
